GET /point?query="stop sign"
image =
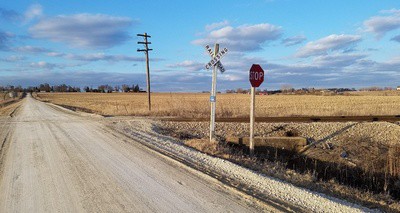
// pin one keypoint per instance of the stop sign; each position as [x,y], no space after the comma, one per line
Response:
[256,75]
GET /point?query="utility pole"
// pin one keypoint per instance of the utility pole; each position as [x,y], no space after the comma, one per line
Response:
[146,50]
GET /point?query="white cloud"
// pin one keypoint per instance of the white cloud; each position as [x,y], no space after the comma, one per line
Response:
[188,65]
[84,30]
[392,64]
[242,38]
[35,10]
[293,40]
[50,66]
[329,43]
[43,65]
[103,57]
[337,60]
[98,57]
[233,77]
[240,62]
[55,54]
[380,25]
[216,25]
[391,11]
[13,58]
[30,49]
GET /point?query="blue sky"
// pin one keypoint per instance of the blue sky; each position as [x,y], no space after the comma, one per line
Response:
[301,43]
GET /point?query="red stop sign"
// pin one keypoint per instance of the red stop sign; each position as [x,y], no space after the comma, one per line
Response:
[256,75]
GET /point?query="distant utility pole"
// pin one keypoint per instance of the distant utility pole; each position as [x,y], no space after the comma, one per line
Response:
[146,50]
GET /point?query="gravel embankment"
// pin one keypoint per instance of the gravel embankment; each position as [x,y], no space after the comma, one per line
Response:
[386,133]
[275,190]
[361,141]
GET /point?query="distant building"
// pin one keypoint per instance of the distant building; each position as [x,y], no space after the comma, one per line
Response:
[398,88]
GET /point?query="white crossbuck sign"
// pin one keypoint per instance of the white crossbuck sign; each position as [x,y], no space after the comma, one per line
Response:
[215,60]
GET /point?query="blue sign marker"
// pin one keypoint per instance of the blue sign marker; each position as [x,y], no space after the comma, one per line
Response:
[212,98]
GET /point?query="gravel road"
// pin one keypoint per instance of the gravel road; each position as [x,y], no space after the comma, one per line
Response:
[55,161]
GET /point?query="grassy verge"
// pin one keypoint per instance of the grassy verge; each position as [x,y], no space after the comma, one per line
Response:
[10,105]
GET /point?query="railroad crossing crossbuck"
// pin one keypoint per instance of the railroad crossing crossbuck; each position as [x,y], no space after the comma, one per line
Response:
[215,60]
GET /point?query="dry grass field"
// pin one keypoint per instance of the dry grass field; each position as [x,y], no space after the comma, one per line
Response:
[4,96]
[190,105]
[376,93]
[9,109]
[8,104]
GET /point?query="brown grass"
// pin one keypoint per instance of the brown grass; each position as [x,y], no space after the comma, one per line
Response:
[307,180]
[4,96]
[9,109]
[8,105]
[204,145]
[228,105]
[377,93]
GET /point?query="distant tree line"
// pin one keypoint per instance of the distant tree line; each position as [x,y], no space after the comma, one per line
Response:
[41,88]
[109,89]
[10,88]
[287,89]
[68,88]
[56,88]
[376,88]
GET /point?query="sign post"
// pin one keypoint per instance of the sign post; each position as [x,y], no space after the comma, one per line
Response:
[256,77]
[215,63]
[213,96]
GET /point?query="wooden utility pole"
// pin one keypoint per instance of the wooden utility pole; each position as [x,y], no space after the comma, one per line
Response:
[146,50]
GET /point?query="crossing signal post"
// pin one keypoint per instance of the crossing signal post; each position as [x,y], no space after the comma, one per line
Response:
[146,51]
[215,64]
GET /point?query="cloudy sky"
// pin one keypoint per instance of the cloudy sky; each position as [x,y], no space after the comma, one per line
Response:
[304,43]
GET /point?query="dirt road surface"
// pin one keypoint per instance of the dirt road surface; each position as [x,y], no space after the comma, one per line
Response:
[55,161]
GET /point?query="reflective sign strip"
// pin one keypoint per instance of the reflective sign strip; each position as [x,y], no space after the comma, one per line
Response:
[212,99]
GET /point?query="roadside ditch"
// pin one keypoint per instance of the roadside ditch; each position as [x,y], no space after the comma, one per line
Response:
[358,161]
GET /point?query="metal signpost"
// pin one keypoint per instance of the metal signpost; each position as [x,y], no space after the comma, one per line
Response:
[215,63]
[256,77]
